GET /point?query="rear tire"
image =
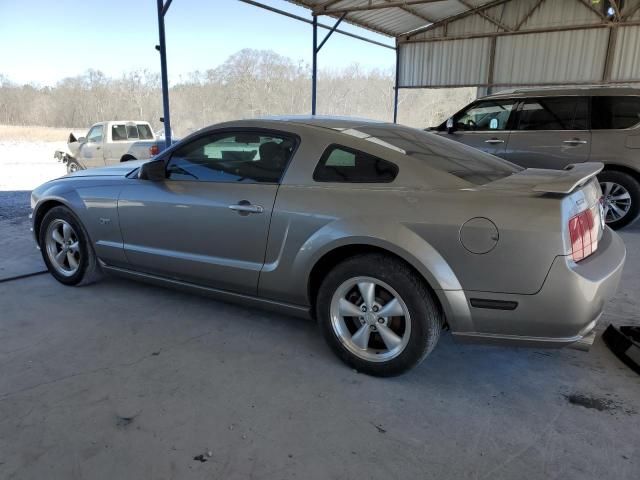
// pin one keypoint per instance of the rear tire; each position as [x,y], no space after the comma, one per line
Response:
[393,325]
[621,194]
[66,249]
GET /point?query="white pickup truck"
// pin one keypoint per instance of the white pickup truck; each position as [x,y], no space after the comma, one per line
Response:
[108,143]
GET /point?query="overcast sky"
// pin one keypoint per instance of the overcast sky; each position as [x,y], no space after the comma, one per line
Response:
[43,41]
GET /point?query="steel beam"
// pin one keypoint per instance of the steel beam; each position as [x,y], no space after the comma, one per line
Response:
[323,10]
[568,28]
[162,48]
[320,25]
[395,87]
[529,84]
[453,18]
[611,49]
[314,67]
[333,29]
[489,18]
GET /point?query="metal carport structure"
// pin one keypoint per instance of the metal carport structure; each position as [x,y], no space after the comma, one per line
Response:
[479,43]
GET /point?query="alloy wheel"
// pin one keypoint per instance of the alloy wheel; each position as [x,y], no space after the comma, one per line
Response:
[370,319]
[616,201]
[63,247]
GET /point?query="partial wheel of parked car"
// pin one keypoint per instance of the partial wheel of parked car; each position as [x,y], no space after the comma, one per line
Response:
[128,158]
[621,198]
[378,315]
[73,166]
[66,249]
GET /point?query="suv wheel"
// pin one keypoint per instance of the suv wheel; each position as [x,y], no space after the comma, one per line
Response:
[378,315]
[66,249]
[621,195]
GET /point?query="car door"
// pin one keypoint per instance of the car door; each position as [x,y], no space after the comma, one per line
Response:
[550,132]
[483,125]
[208,221]
[90,153]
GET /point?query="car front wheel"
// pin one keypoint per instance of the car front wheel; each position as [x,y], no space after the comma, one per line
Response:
[621,198]
[66,249]
[378,315]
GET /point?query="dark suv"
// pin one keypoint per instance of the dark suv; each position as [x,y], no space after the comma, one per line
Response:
[552,128]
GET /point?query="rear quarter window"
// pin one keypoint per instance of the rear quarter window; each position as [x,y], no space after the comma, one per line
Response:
[343,164]
[615,113]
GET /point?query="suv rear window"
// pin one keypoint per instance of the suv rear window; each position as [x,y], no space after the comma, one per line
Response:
[343,164]
[439,153]
[609,113]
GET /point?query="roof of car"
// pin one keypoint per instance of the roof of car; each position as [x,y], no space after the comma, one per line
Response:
[325,121]
[598,90]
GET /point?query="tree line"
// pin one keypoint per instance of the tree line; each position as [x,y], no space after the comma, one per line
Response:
[248,84]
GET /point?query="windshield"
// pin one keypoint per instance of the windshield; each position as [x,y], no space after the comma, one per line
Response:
[455,158]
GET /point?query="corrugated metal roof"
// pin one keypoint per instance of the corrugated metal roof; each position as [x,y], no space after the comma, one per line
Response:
[450,42]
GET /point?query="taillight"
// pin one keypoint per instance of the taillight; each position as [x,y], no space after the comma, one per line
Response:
[154,150]
[583,230]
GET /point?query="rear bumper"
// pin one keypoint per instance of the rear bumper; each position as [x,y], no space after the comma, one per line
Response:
[564,311]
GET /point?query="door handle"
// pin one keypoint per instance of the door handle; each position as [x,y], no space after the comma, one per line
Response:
[575,141]
[245,208]
[494,140]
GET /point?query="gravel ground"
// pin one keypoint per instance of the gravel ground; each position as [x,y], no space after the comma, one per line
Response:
[14,204]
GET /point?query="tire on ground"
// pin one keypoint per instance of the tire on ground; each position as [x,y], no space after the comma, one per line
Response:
[426,317]
[73,165]
[89,270]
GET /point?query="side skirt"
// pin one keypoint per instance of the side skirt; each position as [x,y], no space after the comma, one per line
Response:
[238,298]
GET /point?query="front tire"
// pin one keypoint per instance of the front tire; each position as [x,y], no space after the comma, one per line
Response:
[378,315]
[621,195]
[73,166]
[66,249]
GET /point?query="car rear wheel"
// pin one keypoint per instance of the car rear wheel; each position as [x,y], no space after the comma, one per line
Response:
[65,248]
[621,198]
[378,315]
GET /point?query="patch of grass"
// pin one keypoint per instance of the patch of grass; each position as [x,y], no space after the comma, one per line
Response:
[31,133]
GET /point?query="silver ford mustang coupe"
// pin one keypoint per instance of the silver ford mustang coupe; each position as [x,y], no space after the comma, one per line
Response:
[385,234]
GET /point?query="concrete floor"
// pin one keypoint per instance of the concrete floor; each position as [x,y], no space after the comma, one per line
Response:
[123,380]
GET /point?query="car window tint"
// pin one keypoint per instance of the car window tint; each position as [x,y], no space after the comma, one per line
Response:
[118,133]
[552,114]
[232,157]
[442,154]
[132,131]
[342,164]
[614,112]
[144,132]
[485,116]
[95,134]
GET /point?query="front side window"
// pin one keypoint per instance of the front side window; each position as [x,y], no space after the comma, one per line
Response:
[485,116]
[614,112]
[567,113]
[95,134]
[342,164]
[232,157]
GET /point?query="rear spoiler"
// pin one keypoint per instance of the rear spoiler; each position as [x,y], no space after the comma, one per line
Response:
[567,180]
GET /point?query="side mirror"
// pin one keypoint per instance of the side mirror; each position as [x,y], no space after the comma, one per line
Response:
[451,126]
[82,140]
[153,171]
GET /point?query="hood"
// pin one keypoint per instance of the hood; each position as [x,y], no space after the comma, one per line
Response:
[119,170]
